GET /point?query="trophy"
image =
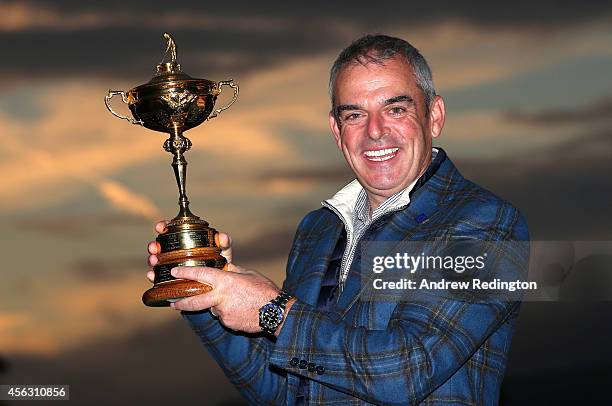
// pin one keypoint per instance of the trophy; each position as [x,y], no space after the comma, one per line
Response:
[173,102]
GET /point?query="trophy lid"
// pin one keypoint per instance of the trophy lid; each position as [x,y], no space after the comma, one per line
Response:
[170,71]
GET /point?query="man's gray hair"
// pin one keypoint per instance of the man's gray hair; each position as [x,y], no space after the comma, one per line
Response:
[377,49]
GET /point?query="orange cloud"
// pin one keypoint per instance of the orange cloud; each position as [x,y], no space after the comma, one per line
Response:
[10,321]
[462,55]
[86,311]
[83,141]
[19,333]
[126,200]
[90,310]
[19,15]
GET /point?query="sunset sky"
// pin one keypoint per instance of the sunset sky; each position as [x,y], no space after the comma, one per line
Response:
[528,91]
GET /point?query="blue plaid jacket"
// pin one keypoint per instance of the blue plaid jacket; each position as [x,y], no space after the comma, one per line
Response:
[442,351]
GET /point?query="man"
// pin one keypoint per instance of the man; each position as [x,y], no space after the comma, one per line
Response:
[326,346]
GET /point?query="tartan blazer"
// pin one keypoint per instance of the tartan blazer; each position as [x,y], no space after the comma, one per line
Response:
[441,351]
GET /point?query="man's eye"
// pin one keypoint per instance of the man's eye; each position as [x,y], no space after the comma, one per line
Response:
[352,117]
[397,110]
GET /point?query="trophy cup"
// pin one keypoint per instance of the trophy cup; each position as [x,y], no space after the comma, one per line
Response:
[173,102]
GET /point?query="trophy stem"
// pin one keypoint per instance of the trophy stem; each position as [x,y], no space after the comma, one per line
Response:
[187,241]
[177,145]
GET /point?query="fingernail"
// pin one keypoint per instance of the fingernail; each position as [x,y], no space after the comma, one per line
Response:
[173,271]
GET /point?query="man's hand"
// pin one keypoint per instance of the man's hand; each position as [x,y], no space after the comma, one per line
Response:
[223,241]
[237,293]
[236,297]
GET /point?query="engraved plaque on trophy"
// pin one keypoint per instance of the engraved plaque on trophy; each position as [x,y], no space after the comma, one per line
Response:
[173,102]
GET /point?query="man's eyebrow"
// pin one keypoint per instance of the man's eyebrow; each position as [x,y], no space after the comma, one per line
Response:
[344,107]
[397,99]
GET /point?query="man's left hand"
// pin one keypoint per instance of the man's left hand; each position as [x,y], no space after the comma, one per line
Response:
[236,297]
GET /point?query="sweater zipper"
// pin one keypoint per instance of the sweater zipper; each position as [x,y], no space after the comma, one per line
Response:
[348,236]
[348,240]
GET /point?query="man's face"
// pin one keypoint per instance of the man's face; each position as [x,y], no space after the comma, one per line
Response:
[383,130]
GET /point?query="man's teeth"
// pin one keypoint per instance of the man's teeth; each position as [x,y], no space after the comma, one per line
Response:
[381,154]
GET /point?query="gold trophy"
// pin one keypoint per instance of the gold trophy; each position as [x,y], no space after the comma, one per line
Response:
[173,102]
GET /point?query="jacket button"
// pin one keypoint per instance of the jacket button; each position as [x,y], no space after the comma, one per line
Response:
[311,367]
[303,364]
[320,370]
[294,361]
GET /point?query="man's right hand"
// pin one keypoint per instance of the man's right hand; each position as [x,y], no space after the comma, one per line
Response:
[223,240]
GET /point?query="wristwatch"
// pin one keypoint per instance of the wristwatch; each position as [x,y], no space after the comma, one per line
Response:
[272,314]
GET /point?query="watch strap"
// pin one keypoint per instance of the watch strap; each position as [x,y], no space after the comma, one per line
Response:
[282,299]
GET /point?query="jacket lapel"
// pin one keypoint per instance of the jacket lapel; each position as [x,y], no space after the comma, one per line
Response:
[324,237]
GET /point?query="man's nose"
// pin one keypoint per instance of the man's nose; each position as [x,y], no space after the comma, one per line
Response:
[376,127]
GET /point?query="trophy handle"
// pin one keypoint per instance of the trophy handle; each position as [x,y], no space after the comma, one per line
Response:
[234,86]
[113,93]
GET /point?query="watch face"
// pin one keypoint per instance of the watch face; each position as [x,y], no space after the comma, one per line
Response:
[270,316]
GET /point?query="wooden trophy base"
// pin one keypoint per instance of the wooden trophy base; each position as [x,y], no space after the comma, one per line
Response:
[162,294]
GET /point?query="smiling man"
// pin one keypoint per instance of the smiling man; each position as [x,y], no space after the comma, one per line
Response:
[384,123]
[315,341]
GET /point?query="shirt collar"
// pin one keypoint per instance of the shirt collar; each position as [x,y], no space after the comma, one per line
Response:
[346,199]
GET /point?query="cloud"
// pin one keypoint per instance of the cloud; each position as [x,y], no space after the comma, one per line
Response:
[99,370]
[337,174]
[21,325]
[56,150]
[597,111]
[126,200]
[76,226]
[124,39]
[119,196]
[481,12]
[52,157]
[562,190]
[93,270]
[100,298]
[503,132]
[66,313]
[9,321]
[466,56]
[22,16]
[266,245]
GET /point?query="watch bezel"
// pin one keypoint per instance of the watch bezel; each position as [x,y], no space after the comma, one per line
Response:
[268,311]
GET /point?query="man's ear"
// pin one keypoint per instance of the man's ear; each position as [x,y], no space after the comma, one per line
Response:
[437,116]
[334,125]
